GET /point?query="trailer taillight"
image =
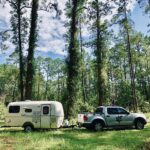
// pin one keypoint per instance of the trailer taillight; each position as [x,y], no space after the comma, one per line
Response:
[85,118]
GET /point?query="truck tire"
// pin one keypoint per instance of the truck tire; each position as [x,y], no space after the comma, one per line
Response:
[28,128]
[98,126]
[139,124]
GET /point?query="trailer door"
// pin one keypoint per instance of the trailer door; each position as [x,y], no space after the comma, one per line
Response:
[45,116]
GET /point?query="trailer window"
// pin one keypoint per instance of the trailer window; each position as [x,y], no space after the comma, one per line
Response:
[27,110]
[45,110]
[14,109]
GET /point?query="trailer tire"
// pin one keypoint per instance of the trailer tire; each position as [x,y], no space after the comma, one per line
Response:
[28,127]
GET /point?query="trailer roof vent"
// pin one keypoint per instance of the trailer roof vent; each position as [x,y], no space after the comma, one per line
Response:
[28,100]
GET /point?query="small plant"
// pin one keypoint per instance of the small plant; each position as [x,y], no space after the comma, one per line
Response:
[2,111]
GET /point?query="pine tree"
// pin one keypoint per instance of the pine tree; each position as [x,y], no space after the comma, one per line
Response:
[19,26]
[98,10]
[74,57]
[125,23]
[32,45]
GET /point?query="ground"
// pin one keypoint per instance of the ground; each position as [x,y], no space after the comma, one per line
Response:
[76,139]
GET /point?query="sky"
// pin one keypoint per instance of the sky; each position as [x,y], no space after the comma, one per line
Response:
[140,19]
[51,41]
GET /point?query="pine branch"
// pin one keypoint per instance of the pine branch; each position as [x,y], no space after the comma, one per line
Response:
[48,8]
[11,2]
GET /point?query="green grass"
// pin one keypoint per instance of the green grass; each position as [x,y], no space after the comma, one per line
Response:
[76,139]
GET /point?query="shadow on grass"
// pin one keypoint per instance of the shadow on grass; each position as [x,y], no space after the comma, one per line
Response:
[10,129]
[84,139]
[120,139]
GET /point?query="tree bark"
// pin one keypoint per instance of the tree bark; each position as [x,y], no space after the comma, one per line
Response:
[132,75]
[99,59]
[38,86]
[73,62]
[82,59]
[58,87]
[21,65]
[32,44]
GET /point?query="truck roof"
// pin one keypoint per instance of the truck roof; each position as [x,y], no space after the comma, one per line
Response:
[28,102]
[110,106]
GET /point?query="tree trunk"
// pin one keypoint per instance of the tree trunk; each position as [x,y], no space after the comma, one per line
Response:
[14,89]
[82,59]
[32,44]
[21,65]
[124,69]
[99,59]
[38,86]
[148,78]
[73,62]
[58,87]
[132,75]
[46,85]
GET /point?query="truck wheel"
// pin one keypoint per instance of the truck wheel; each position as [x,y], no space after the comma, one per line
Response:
[97,126]
[28,128]
[139,125]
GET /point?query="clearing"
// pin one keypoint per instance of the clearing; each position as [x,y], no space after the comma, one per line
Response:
[76,139]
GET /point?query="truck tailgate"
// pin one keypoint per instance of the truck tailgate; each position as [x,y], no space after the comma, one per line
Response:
[80,118]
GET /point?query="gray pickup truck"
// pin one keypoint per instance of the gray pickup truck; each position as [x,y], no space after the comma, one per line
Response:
[111,116]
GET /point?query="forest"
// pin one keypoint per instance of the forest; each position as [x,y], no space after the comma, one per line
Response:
[109,65]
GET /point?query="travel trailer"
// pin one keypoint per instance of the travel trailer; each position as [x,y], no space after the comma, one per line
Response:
[35,115]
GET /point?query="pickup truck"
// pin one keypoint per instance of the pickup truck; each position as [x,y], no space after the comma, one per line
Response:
[111,116]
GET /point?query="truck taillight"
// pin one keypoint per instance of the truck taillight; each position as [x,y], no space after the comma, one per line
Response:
[85,118]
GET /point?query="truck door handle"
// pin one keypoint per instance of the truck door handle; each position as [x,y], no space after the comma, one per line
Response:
[107,116]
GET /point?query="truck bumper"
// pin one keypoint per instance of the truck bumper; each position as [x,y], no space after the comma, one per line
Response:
[85,125]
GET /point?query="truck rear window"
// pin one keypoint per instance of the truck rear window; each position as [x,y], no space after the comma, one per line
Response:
[99,110]
[112,111]
[14,109]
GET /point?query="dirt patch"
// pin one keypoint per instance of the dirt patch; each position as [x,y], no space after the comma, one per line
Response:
[145,146]
[7,143]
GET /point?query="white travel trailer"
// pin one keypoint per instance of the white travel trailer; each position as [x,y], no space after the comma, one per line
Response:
[35,114]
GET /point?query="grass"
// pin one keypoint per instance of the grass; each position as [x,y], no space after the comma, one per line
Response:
[76,139]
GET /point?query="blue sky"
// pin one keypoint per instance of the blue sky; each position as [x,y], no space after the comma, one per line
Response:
[49,54]
[51,42]
[140,19]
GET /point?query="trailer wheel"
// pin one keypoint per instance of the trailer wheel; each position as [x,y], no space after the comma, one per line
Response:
[28,128]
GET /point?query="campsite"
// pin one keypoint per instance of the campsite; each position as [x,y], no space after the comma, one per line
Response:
[75,74]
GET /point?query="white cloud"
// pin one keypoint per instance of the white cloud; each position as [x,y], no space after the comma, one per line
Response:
[131,5]
[51,30]
[5,15]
